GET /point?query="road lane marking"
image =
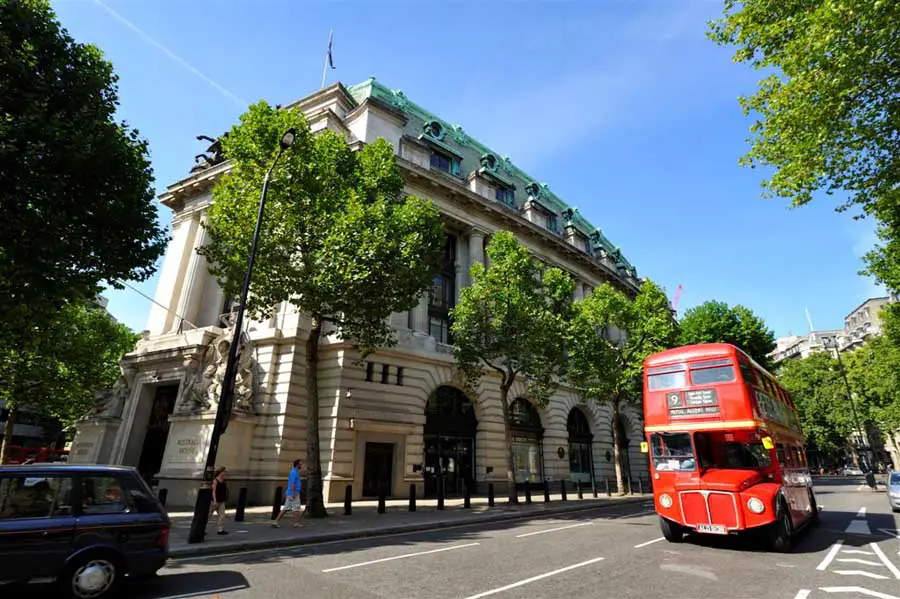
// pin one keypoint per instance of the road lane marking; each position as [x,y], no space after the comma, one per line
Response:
[858,527]
[830,556]
[802,594]
[540,532]
[886,561]
[861,573]
[405,555]
[635,515]
[861,513]
[206,593]
[536,578]
[858,551]
[859,590]
[650,542]
[856,560]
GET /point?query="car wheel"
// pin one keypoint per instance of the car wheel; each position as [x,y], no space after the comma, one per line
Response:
[782,531]
[671,531]
[92,576]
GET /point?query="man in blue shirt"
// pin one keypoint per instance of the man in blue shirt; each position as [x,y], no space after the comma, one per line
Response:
[292,496]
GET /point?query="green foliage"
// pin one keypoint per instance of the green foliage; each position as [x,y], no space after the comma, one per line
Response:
[59,371]
[827,116]
[610,337]
[339,239]
[874,375]
[76,189]
[819,393]
[716,322]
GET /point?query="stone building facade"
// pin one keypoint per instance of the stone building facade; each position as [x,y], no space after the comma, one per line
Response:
[400,418]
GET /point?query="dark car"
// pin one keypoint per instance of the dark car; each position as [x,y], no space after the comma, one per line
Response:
[83,527]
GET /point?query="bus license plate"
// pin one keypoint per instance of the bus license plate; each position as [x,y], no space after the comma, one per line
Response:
[713,529]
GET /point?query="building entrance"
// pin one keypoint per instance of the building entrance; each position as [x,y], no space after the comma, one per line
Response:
[450,428]
[378,469]
[154,447]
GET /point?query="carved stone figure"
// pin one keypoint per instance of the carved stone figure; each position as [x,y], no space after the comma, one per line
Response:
[204,378]
[110,402]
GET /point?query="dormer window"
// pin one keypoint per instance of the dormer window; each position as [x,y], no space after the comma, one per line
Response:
[505,195]
[552,222]
[445,163]
[434,129]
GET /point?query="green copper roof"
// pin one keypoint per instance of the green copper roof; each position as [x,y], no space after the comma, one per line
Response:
[474,155]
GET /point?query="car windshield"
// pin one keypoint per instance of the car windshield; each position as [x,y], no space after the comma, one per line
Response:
[672,451]
[895,478]
[716,450]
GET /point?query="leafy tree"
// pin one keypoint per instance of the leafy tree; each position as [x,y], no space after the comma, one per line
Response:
[874,374]
[609,338]
[827,116]
[339,240]
[76,189]
[511,321]
[716,322]
[59,371]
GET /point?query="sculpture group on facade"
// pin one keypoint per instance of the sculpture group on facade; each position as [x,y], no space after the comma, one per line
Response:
[110,402]
[204,377]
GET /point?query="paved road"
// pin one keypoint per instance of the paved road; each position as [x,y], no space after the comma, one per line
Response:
[612,552]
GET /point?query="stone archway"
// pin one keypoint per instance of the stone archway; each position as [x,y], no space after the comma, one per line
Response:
[528,442]
[449,441]
[581,439]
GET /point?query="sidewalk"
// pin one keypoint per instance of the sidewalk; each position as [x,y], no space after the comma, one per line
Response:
[256,532]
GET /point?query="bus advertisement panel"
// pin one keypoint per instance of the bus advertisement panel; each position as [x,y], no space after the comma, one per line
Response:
[726,451]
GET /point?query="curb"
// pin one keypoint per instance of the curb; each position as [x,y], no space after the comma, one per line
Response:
[247,546]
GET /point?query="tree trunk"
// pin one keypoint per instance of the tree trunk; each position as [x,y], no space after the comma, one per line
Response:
[617,459]
[7,433]
[315,502]
[507,434]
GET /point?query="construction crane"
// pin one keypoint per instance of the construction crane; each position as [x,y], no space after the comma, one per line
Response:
[675,299]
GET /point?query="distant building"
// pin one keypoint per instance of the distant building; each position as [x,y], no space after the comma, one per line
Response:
[32,429]
[863,322]
[801,346]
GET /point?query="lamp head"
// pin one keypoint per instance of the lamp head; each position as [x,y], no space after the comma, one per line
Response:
[288,138]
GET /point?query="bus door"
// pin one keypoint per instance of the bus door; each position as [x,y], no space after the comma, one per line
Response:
[793,481]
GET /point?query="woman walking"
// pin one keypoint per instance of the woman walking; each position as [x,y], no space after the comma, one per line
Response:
[220,496]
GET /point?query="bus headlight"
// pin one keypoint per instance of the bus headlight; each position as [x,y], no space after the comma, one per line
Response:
[665,500]
[756,505]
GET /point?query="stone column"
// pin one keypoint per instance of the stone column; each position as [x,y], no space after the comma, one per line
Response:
[192,286]
[161,316]
[420,316]
[476,247]
[579,291]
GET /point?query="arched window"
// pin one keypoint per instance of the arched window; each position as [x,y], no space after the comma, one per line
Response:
[528,437]
[580,440]
[449,435]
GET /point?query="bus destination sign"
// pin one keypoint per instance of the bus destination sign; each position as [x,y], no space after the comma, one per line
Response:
[698,402]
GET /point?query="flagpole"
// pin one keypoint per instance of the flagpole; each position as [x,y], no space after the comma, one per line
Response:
[325,62]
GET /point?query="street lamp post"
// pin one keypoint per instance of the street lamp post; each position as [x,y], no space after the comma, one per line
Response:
[223,410]
[856,423]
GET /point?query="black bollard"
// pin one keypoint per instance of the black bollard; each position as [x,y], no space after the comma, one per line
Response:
[594,485]
[412,497]
[440,490]
[527,492]
[163,495]
[580,493]
[562,489]
[381,500]
[640,486]
[546,491]
[467,496]
[276,503]
[630,485]
[490,494]
[606,484]
[241,505]
[348,500]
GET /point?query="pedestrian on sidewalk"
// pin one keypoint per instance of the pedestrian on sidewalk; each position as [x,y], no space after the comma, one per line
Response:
[219,497]
[292,497]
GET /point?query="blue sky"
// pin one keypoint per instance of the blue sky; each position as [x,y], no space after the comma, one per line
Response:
[623,107]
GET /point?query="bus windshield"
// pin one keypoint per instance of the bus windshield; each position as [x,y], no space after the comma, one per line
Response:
[672,452]
[726,451]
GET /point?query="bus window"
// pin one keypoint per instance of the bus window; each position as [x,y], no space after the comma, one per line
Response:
[672,452]
[781,455]
[731,453]
[669,380]
[708,376]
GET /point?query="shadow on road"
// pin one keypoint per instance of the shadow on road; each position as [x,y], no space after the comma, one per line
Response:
[181,585]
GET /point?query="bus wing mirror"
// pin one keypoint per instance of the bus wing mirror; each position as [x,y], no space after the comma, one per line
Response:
[644,447]
[768,443]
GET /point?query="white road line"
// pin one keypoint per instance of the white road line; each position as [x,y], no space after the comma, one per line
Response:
[802,594]
[886,561]
[858,551]
[856,560]
[535,578]
[650,542]
[858,527]
[205,593]
[390,559]
[861,513]
[540,532]
[860,573]
[830,556]
[858,590]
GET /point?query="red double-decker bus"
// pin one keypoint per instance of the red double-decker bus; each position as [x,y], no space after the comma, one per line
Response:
[726,450]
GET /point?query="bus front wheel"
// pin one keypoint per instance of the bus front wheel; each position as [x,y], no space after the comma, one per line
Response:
[671,531]
[782,531]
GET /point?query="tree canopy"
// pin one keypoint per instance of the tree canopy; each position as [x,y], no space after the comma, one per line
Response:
[511,321]
[827,114]
[59,371]
[609,338]
[717,322]
[339,240]
[76,187]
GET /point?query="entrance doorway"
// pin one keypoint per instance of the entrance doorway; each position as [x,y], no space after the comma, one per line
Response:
[624,446]
[378,469]
[528,443]
[154,447]
[581,461]
[450,428]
